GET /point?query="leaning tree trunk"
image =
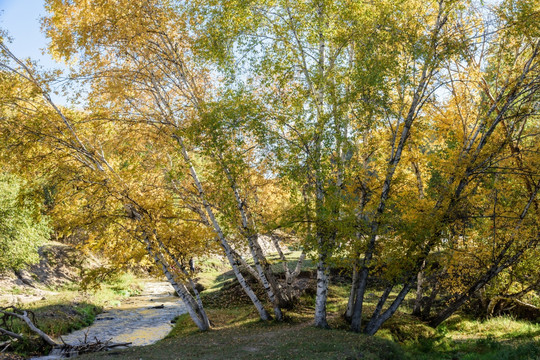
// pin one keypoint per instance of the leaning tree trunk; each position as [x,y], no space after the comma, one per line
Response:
[200,307]
[356,318]
[376,321]
[265,276]
[223,241]
[197,314]
[264,279]
[417,310]
[352,293]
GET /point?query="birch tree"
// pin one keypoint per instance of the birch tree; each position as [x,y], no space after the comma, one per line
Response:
[60,141]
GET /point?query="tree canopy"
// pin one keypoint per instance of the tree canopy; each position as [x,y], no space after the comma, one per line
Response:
[394,140]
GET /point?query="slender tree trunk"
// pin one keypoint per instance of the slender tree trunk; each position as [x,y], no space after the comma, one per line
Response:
[375,324]
[298,268]
[191,305]
[419,291]
[264,280]
[356,319]
[257,255]
[352,293]
[322,265]
[322,233]
[223,241]
[322,292]
[244,263]
[200,307]
[378,308]
[426,311]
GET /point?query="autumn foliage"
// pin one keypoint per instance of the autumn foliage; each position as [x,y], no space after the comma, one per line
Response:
[395,140]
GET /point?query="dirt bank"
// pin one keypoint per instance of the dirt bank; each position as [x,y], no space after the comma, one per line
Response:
[59,266]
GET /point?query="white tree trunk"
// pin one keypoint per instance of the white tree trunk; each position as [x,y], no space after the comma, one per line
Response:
[322,293]
[223,241]
[200,307]
[191,305]
[254,247]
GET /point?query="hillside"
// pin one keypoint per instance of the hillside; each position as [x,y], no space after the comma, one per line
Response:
[59,266]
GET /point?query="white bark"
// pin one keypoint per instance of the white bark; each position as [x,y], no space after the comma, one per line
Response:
[322,294]
[186,297]
[217,228]
[24,317]
[200,307]
[254,247]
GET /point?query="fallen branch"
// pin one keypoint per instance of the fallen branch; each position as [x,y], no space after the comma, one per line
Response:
[7,314]
[23,315]
[7,344]
[10,334]
[89,347]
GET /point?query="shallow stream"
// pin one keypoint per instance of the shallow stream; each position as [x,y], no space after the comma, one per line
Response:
[141,320]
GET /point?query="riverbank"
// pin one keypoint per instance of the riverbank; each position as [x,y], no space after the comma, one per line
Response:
[237,333]
[67,310]
[52,292]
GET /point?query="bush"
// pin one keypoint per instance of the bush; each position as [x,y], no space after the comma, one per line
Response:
[22,228]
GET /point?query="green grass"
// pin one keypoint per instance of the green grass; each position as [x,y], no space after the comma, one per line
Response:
[55,318]
[494,338]
[237,334]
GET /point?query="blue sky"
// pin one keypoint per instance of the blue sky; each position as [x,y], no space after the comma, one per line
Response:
[21,19]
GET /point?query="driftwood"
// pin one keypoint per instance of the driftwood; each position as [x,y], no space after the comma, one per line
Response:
[88,347]
[9,313]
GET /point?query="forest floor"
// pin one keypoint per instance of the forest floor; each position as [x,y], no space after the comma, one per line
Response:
[238,334]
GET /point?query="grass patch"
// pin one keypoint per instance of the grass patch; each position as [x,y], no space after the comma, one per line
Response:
[238,334]
[55,319]
[501,327]
[495,338]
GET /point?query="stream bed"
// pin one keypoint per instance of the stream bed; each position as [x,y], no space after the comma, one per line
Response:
[141,320]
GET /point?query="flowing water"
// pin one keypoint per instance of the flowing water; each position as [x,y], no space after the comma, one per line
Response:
[140,320]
